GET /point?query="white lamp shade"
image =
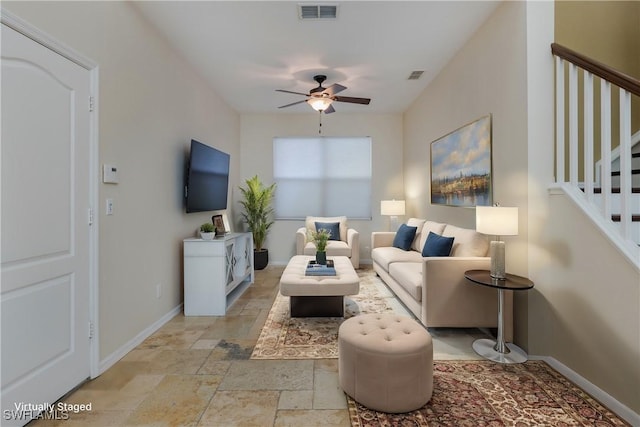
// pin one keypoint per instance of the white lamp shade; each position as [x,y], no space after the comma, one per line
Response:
[392,207]
[497,220]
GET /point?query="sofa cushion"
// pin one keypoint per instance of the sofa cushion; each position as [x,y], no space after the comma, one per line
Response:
[385,255]
[404,237]
[428,226]
[409,276]
[310,224]
[416,222]
[437,245]
[467,242]
[332,227]
[334,248]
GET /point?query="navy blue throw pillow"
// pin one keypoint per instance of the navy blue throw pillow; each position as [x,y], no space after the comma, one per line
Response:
[437,245]
[404,237]
[332,227]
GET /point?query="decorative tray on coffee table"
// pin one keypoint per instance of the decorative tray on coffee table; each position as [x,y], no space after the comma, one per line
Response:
[315,269]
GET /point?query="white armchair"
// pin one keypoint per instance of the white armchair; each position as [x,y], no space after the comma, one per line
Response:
[348,244]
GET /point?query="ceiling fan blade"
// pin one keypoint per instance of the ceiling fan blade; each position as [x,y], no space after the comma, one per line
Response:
[364,101]
[329,110]
[333,89]
[295,93]
[293,103]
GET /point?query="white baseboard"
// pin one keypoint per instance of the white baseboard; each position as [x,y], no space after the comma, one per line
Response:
[111,359]
[278,263]
[606,399]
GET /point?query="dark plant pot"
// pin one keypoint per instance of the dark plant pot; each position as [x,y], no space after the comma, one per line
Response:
[260,259]
[321,258]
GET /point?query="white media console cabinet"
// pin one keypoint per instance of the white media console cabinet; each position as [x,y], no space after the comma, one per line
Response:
[216,273]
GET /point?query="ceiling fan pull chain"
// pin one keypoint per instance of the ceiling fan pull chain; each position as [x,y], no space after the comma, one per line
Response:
[320,125]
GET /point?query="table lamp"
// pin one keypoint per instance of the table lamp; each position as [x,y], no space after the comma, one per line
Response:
[498,221]
[393,208]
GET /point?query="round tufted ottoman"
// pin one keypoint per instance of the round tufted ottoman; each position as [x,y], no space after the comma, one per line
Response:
[385,362]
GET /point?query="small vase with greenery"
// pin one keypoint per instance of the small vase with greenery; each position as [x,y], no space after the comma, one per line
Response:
[320,239]
[257,214]
[207,231]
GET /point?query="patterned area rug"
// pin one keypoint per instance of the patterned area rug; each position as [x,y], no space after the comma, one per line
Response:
[283,337]
[484,393]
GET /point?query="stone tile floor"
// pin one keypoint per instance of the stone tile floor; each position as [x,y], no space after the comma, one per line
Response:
[195,371]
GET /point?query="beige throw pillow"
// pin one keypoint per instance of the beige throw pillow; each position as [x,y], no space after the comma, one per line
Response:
[416,222]
[467,242]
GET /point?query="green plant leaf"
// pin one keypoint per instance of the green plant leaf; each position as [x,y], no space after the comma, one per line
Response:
[257,210]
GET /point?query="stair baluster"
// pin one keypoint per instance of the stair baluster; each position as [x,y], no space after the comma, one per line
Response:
[624,208]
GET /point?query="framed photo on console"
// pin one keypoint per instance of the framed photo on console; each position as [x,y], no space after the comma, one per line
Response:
[218,223]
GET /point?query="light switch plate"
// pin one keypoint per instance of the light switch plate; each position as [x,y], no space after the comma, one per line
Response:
[109,174]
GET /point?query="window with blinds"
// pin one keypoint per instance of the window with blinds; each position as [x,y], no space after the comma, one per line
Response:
[322,176]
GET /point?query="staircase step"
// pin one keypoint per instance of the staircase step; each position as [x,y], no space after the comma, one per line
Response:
[634,218]
[633,172]
[615,190]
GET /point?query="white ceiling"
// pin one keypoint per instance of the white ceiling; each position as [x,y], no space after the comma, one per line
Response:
[247,49]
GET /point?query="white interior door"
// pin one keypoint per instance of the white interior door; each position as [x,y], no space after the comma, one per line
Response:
[44,294]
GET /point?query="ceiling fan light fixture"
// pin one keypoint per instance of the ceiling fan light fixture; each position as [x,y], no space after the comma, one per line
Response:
[320,104]
[321,98]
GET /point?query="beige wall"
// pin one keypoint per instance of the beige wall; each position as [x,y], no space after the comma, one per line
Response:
[488,75]
[586,312]
[150,104]
[609,32]
[257,132]
[584,308]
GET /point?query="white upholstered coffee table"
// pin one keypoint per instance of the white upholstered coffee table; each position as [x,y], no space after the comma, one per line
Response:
[318,296]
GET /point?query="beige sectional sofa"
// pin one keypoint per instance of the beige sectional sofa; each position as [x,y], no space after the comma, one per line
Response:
[434,288]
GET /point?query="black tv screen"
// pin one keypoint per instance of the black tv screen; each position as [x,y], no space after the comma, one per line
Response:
[207,178]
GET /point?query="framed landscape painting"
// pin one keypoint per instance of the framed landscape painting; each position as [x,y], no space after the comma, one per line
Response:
[461,166]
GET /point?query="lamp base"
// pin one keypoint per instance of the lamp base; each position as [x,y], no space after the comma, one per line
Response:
[393,223]
[487,349]
[496,251]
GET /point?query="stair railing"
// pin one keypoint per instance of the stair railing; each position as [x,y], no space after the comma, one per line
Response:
[627,87]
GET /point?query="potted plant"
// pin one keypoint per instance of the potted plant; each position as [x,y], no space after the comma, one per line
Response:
[320,239]
[257,213]
[207,231]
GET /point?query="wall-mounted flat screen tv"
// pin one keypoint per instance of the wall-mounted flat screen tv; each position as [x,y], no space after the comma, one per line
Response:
[207,178]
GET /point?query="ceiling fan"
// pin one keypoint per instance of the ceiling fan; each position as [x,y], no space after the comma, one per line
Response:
[321,98]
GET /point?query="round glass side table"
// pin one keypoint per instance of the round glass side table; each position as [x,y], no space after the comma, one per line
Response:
[499,351]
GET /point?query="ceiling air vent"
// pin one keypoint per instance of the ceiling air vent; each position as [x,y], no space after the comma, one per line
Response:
[315,11]
[415,75]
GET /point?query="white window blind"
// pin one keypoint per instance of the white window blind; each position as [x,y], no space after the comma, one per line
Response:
[322,176]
